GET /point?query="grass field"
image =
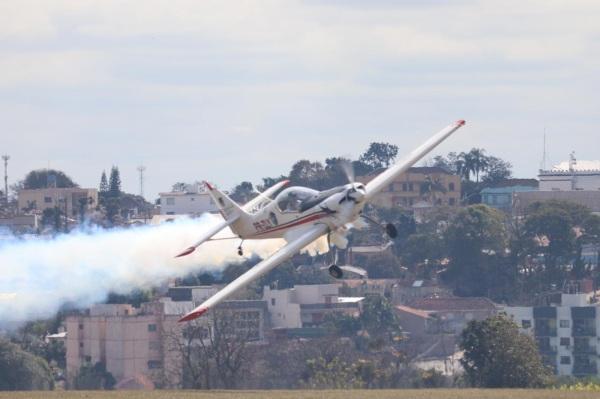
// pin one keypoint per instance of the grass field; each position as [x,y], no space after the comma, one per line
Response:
[353,394]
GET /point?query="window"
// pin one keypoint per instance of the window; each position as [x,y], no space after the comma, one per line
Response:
[81,344]
[391,187]
[88,359]
[48,200]
[451,201]
[170,201]
[154,345]
[272,301]
[404,187]
[451,187]
[526,323]
[565,341]
[410,187]
[565,323]
[154,364]
[151,327]
[565,360]
[81,326]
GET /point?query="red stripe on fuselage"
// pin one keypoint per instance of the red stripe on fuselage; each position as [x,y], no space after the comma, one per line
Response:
[297,222]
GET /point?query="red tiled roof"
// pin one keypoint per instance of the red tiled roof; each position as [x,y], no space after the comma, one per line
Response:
[453,303]
[413,311]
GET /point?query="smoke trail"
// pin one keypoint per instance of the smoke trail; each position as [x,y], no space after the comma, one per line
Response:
[39,275]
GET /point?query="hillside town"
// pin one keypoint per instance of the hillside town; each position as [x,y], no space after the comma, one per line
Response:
[474,243]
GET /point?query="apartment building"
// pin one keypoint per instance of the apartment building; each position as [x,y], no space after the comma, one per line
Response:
[193,200]
[306,306]
[566,332]
[143,342]
[73,201]
[418,188]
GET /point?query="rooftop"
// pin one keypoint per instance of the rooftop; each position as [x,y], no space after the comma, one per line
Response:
[579,166]
[453,303]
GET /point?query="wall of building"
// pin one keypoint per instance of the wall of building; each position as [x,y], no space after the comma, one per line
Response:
[45,198]
[567,181]
[563,343]
[177,203]
[405,191]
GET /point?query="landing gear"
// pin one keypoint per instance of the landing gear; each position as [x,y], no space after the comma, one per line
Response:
[240,250]
[335,271]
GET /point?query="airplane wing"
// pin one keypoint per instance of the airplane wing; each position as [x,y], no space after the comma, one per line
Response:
[208,234]
[261,268]
[387,177]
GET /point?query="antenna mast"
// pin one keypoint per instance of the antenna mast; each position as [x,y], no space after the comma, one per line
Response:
[141,169]
[544,153]
[5,158]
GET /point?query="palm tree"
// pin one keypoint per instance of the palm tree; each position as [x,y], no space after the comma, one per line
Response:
[479,161]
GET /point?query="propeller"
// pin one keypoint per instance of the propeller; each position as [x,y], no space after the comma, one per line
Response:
[348,169]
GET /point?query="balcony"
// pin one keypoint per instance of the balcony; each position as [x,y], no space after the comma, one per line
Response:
[545,331]
[584,349]
[584,331]
[585,369]
[547,349]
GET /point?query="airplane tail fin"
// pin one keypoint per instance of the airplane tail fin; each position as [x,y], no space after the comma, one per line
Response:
[228,208]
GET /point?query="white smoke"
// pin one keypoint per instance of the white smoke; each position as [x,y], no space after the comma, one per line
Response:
[40,275]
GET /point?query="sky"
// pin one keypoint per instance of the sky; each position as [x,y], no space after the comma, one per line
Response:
[231,91]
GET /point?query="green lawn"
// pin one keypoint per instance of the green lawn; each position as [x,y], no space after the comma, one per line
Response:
[353,394]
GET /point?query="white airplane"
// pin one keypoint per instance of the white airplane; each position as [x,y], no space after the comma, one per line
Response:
[301,215]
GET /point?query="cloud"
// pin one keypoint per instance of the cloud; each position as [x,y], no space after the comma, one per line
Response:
[168,82]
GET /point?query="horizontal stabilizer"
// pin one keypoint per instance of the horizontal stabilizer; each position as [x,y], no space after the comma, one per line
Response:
[207,235]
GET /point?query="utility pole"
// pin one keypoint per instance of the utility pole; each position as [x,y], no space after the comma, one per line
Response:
[141,169]
[5,158]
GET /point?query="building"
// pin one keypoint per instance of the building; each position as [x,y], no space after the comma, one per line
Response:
[571,175]
[134,342]
[501,195]
[589,199]
[193,200]
[73,200]
[433,325]
[566,332]
[407,292]
[21,224]
[419,187]
[306,306]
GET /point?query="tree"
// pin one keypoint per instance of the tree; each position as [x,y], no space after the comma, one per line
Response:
[114,185]
[94,377]
[497,170]
[179,187]
[20,370]
[308,174]
[379,155]
[216,345]
[45,178]
[474,237]
[103,183]
[243,192]
[497,355]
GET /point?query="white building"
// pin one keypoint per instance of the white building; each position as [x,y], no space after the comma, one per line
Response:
[194,200]
[566,333]
[571,175]
[307,305]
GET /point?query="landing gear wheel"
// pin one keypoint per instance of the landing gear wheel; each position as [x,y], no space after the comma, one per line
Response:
[240,251]
[391,231]
[335,271]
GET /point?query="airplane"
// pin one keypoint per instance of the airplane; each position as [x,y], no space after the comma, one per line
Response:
[301,215]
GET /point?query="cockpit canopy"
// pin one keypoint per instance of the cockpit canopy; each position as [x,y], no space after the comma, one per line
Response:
[291,199]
